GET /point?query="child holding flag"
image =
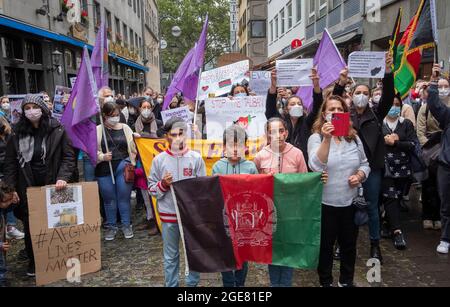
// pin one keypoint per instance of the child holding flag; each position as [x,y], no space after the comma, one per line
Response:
[234,163]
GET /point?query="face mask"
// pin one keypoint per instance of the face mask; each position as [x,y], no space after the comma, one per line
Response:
[34,115]
[394,112]
[376,99]
[6,106]
[329,118]
[296,111]
[240,95]
[146,113]
[132,111]
[109,99]
[348,89]
[147,97]
[125,112]
[361,101]
[160,100]
[113,120]
[444,92]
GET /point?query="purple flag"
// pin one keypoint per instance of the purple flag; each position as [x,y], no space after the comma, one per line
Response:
[187,76]
[100,58]
[80,108]
[329,64]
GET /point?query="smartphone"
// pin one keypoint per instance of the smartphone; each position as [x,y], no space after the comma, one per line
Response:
[341,123]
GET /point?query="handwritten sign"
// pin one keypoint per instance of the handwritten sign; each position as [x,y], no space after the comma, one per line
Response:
[55,248]
[248,112]
[182,113]
[260,82]
[367,64]
[62,95]
[294,72]
[219,81]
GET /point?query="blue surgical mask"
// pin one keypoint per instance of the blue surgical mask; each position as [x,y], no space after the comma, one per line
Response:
[240,95]
[394,112]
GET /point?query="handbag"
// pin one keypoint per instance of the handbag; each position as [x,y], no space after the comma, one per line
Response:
[361,207]
[129,173]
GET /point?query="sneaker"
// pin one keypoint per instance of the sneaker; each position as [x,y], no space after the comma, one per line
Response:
[375,251]
[110,234]
[349,285]
[443,247]
[399,241]
[12,233]
[128,232]
[337,253]
[428,224]
[31,270]
[437,225]
[326,285]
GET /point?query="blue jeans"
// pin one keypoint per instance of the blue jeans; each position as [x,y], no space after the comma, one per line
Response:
[116,197]
[235,278]
[2,267]
[171,243]
[88,169]
[372,188]
[280,276]
[10,217]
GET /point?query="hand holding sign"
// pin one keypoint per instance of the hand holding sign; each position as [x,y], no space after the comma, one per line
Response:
[294,72]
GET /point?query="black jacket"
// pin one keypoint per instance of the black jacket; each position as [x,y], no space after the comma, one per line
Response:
[369,124]
[298,135]
[442,114]
[60,161]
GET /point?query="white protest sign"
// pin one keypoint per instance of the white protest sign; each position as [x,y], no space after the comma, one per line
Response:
[249,112]
[219,81]
[182,113]
[72,81]
[294,72]
[367,64]
[260,82]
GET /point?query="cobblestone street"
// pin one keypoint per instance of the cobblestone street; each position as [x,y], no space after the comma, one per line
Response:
[138,262]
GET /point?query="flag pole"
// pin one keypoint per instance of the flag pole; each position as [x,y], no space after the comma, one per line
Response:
[196,97]
[107,149]
[180,223]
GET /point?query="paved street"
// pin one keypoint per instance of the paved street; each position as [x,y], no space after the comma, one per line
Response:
[138,262]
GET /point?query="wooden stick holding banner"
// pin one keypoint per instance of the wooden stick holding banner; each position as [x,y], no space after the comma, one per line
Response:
[186,263]
[196,98]
[107,149]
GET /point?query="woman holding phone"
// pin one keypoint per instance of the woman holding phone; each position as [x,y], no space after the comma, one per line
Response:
[342,157]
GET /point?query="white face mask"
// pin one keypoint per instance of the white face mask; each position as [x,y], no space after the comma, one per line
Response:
[361,100]
[376,99]
[160,100]
[146,113]
[132,111]
[34,115]
[6,106]
[113,120]
[109,99]
[444,92]
[296,111]
[125,112]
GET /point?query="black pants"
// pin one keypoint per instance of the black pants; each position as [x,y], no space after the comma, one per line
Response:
[444,193]
[337,223]
[392,204]
[22,214]
[431,202]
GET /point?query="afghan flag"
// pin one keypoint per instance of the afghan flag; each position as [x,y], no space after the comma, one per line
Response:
[229,220]
[408,53]
[395,38]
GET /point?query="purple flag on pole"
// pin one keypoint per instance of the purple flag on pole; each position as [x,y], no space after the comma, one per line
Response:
[100,58]
[329,64]
[187,76]
[81,107]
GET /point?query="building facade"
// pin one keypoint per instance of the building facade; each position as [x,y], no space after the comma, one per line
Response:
[152,44]
[252,34]
[40,49]
[234,25]
[285,23]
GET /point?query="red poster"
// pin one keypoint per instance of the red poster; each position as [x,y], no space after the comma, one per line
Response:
[341,123]
[250,216]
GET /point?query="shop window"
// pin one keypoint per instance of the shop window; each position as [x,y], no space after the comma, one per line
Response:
[34,52]
[12,48]
[36,81]
[15,81]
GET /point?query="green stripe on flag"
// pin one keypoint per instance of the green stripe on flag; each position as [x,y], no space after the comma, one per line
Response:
[298,202]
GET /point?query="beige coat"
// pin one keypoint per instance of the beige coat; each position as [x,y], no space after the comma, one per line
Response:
[408,113]
[426,126]
[132,151]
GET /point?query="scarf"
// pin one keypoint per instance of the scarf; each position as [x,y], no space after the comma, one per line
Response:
[139,125]
[26,149]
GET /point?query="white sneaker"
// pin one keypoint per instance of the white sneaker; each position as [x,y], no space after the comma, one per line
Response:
[437,225]
[443,247]
[13,233]
[427,224]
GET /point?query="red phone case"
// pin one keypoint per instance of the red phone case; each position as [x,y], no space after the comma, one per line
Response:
[341,123]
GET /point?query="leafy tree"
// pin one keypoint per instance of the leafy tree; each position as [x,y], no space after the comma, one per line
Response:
[189,15]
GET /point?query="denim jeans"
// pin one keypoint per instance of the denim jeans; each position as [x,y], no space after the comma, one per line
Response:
[88,169]
[171,243]
[10,217]
[116,197]
[2,267]
[235,278]
[372,188]
[280,276]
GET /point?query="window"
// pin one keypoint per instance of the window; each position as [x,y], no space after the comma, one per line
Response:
[97,14]
[312,11]
[134,5]
[12,48]
[289,15]
[85,12]
[323,8]
[271,30]
[139,8]
[282,21]
[131,38]
[335,3]
[33,52]
[258,28]
[36,81]
[108,23]
[15,80]
[136,41]
[299,10]
[69,57]
[276,27]
[125,35]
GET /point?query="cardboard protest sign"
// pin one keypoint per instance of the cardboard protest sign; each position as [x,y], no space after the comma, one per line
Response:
[62,95]
[219,81]
[182,113]
[74,237]
[260,82]
[294,72]
[16,107]
[367,64]
[249,112]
